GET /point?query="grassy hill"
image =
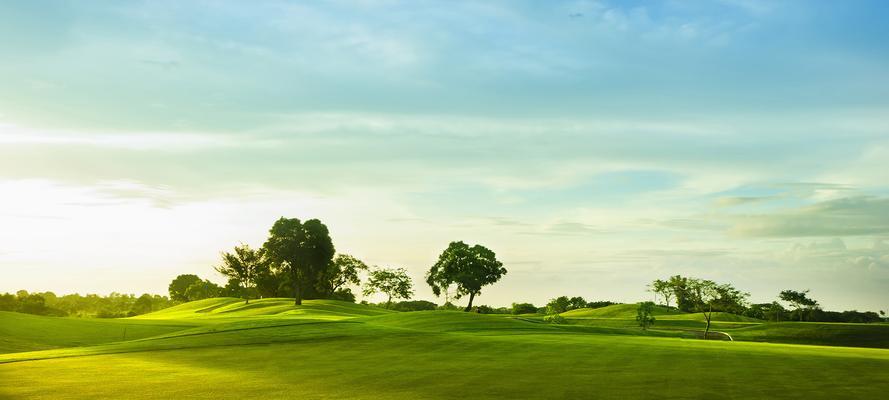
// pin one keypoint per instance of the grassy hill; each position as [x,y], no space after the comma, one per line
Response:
[221,348]
[226,307]
[25,332]
[622,311]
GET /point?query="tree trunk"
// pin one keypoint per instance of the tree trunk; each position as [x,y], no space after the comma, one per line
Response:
[297,295]
[388,301]
[707,317]
[469,307]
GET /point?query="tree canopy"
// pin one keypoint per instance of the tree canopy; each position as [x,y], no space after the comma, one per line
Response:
[393,282]
[179,286]
[469,268]
[243,266]
[301,251]
[799,300]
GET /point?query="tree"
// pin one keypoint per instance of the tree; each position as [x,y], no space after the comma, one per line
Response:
[678,285]
[242,265]
[179,285]
[644,314]
[558,305]
[576,302]
[301,251]
[143,305]
[708,296]
[523,308]
[774,311]
[394,283]
[202,290]
[799,300]
[415,305]
[341,271]
[662,288]
[469,268]
[8,302]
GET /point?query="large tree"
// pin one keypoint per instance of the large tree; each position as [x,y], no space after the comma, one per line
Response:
[180,285]
[394,283]
[708,296]
[243,265]
[301,251]
[799,300]
[469,268]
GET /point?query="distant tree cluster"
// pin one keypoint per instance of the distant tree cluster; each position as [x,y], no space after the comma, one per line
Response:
[297,260]
[698,295]
[561,304]
[115,305]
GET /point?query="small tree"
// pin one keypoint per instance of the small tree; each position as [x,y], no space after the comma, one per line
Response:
[708,296]
[469,268]
[576,302]
[662,288]
[340,272]
[558,305]
[243,265]
[394,283]
[799,300]
[644,315]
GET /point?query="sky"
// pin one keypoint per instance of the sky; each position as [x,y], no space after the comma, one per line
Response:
[593,145]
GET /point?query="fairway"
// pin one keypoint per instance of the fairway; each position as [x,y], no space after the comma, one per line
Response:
[328,349]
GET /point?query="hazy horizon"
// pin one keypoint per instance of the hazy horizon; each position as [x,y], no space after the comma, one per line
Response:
[594,146]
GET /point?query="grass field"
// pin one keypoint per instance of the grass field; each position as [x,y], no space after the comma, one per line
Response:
[221,348]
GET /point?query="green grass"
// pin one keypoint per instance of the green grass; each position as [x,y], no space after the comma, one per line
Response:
[627,311]
[24,332]
[330,350]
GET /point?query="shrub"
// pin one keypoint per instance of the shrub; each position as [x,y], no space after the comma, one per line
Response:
[344,294]
[554,319]
[523,308]
[414,305]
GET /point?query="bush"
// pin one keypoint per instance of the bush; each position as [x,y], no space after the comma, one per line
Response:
[414,305]
[523,308]
[600,304]
[448,306]
[344,294]
[555,319]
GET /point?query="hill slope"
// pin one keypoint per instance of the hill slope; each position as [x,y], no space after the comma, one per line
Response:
[25,332]
[621,311]
[226,307]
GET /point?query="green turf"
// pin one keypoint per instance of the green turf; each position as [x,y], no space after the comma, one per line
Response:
[615,311]
[24,332]
[332,350]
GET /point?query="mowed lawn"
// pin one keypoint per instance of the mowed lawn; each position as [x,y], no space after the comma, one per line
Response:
[434,355]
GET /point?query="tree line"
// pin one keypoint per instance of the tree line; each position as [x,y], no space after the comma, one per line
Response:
[114,305]
[299,260]
[706,296]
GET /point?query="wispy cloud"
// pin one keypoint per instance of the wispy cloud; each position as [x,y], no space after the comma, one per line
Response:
[852,216]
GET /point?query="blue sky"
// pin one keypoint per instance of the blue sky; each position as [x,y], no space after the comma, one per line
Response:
[594,146]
